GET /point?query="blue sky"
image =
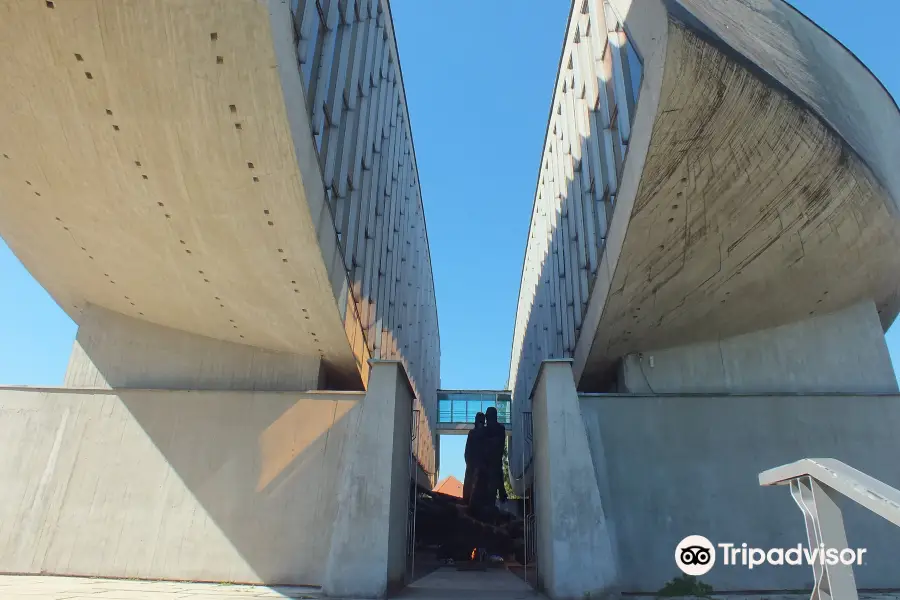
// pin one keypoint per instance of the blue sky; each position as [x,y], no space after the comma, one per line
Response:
[478,76]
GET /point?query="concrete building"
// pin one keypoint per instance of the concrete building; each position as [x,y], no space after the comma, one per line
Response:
[714,250]
[224,196]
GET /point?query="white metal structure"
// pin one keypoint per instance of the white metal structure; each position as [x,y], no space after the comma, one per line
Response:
[815,484]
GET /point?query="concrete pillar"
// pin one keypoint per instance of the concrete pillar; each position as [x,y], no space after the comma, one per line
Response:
[368,545]
[574,550]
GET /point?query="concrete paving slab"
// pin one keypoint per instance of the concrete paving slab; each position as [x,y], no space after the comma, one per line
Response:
[27,587]
[492,584]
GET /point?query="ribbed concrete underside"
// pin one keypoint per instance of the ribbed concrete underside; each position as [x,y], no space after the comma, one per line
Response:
[750,213]
[147,167]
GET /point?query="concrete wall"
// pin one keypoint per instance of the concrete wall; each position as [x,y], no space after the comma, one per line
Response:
[574,549]
[367,553]
[669,467]
[840,352]
[219,486]
[114,350]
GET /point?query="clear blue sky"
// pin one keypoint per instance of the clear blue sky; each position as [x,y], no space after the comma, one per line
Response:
[478,75]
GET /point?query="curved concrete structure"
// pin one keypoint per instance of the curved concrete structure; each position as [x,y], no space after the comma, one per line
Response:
[758,190]
[174,163]
[224,195]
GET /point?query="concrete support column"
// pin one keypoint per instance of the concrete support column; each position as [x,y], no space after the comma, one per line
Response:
[574,549]
[368,544]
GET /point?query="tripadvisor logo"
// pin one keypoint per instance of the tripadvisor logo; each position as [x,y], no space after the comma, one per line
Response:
[696,555]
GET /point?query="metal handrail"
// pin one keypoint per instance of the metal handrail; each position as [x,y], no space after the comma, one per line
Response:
[815,484]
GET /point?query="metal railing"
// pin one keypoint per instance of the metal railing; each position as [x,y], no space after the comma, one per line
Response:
[815,484]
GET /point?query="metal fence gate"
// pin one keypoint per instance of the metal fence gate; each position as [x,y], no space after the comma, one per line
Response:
[411,499]
[528,499]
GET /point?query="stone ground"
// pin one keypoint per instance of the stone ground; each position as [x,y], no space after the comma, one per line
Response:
[442,584]
[27,587]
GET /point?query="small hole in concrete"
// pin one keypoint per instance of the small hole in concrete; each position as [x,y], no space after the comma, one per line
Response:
[144,177]
[50,4]
[66,228]
[188,251]
[266,211]
[307,318]
[214,36]
[201,272]
[232,108]
[217,298]
[249,165]
[670,220]
[296,291]
[182,241]
[221,306]
[674,206]
[237,126]
[160,204]
[112,282]
[83,248]
[37,193]
[28,182]
[284,260]
[115,127]
[140,313]
[256,180]
[303,309]
[127,298]
[231,320]
[281,250]
[6,156]
[271,223]
[90,257]
[137,163]
[812,312]
[132,303]
[168,216]
[106,274]
[220,60]
[292,281]
[662,247]
[206,280]
[242,337]
[109,112]
[88,75]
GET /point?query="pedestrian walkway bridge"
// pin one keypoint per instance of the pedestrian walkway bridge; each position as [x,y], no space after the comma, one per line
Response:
[457,409]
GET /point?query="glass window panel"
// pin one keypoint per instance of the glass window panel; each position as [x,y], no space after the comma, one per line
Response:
[635,69]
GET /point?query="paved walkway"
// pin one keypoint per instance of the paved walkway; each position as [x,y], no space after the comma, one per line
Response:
[493,584]
[27,587]
[445,583]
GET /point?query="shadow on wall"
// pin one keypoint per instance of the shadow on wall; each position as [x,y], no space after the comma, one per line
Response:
[263,468]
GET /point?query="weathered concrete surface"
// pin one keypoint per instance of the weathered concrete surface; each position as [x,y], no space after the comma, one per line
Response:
[206,486]
[112,350]
[130,170]
[785,224]
[177,168]
[840,352]
[758,188]
[672,466]
[367,551]
[574,548]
